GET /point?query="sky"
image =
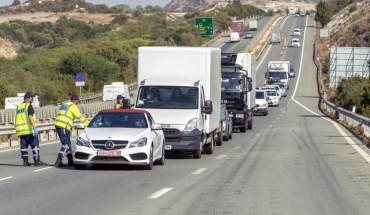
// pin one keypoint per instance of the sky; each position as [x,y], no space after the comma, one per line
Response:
[110,3]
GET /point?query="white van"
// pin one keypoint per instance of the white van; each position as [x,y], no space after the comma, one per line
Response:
[261,102]
[13,102]
[111,91]
[234,37]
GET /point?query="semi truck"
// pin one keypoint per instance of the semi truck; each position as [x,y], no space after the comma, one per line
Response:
[185,82]
[253,25]
[238,26]
[237,91]
[279,70]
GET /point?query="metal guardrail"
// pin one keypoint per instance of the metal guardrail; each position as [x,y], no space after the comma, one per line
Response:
[350,118]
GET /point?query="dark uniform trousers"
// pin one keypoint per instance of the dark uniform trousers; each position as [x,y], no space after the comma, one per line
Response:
[65,139]
[30,140]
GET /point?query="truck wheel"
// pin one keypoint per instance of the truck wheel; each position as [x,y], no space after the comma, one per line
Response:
[209,146]
[220,140]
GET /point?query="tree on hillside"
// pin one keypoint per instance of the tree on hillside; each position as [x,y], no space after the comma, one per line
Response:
[222,20]
[323,14]
[16,2]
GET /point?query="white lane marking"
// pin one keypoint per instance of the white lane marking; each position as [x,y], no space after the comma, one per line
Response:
[220,157]
[340,130]
[257,135]
[160,192]
[38,170]
[273,121]
[236,148]
[198,171]
[2,179]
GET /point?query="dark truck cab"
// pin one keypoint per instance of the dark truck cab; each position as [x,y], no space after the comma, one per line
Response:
[237,91]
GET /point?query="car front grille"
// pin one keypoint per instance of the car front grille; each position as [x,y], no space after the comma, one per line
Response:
[172,139]
[101,144]
[171,131]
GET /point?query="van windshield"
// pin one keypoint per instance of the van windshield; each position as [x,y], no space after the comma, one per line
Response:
[168,97]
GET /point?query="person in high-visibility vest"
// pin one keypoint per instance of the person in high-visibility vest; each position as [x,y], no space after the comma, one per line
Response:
[25,127]
[63,124]
[119,104]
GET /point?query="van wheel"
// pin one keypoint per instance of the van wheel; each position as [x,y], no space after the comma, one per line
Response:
[197,154]
[209,146]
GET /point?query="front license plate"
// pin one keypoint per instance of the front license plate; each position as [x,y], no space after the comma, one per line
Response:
[109,153]
[167,147]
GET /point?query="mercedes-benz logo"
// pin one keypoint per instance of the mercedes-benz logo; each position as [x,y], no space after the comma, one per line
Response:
[109,145]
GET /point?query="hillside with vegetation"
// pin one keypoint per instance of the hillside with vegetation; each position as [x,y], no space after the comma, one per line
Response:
[46,56]
[349,24]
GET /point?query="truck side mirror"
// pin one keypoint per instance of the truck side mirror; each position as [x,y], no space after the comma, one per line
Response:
[208,107]
[126,104]
[249,84]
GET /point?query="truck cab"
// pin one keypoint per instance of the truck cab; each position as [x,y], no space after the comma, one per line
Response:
[237,89]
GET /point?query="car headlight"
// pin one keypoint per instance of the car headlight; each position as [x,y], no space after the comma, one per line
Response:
[275,98]
[263,105]
[82,142]
[192,124]
[139,143]
[239,115]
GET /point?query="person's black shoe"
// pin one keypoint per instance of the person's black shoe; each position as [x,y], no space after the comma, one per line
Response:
[38,162]
[58,163]
[25,162]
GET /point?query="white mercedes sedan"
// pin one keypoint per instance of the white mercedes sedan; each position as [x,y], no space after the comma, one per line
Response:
[120,136]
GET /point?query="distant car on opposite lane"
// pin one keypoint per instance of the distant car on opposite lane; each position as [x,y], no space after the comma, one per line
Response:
[120,136]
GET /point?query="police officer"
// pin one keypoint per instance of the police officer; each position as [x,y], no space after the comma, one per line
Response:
[119,104]
[25,127]
[63,123]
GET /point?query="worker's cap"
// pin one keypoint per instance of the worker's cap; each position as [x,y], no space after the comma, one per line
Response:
[120,97]
[75,98]
[28,95]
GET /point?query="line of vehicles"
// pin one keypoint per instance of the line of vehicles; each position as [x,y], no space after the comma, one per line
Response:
[187,102]
[238,30]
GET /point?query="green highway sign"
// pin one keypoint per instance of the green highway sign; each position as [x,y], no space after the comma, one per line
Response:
[204,26]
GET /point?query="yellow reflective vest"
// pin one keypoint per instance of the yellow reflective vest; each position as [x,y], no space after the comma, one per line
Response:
[22,123]
[118,106]
[66,115]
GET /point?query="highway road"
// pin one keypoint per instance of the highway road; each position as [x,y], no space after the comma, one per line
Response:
[294,161]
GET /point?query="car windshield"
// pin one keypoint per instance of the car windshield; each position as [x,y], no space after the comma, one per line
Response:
[231,84]
[118,120]
[277,74]
[271,93]
[168,97]
[260,95]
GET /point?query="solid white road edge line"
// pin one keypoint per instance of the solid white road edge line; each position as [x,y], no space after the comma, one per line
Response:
[198,171]
[159,193]
[349,140]
[220,157]
[38,170]
[236,148]
[2,179]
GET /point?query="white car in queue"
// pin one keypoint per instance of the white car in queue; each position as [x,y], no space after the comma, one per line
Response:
[272,97]
[120,136]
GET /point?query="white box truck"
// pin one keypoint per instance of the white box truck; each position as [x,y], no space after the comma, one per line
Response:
[13,102]
[279,70]
[253,25]
[238,93]
[180,87]
[111,91]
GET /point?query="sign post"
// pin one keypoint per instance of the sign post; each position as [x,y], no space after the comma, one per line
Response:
[204,26]
[80,81]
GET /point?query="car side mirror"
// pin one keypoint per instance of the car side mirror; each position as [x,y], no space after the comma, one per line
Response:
[156,127]
[208,107]
[80,126]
